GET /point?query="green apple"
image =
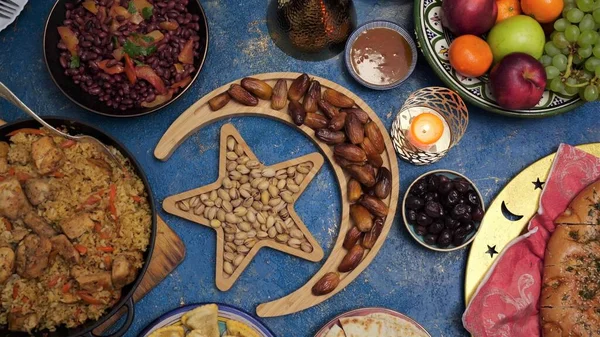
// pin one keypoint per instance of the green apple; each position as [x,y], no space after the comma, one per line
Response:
[519,33]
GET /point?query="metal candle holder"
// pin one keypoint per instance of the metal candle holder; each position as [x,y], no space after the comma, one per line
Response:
[442,101]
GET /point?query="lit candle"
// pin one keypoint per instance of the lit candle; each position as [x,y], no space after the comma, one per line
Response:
[425,130]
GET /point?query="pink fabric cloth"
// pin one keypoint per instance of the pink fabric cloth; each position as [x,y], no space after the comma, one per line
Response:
[506,304]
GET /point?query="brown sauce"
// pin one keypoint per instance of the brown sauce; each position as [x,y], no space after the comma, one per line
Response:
[381,56]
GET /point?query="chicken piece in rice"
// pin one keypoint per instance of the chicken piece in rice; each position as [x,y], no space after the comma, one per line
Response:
[13,202]
[46,155]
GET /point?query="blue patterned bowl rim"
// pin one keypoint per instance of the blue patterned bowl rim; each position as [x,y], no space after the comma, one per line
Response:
[225,311]
[476,94]
[380,24]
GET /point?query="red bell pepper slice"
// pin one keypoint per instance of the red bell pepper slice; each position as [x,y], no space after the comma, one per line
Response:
[90,5]
[69,39]
[81,249]
[148,74]
[116,69]
[106,249]
[112,197]
[88,298]
[67,144]
[181,83]
[66,287]
[130,70]
[26,131]
[187,53]
[53,281]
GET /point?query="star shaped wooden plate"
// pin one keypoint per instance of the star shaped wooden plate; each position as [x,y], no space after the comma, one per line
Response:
[241,235]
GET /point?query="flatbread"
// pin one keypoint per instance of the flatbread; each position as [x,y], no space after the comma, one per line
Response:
[335,331]
[570,296]
[204,319]
[566,322]
[169,331]
[364,327]
[584,209]
[401,327]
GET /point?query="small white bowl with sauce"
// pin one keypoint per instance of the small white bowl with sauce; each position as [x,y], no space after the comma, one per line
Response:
[380,55]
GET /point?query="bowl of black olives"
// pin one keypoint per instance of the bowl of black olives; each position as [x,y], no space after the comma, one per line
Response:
[442,210]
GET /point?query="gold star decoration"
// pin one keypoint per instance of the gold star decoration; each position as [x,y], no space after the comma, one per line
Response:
[250,206]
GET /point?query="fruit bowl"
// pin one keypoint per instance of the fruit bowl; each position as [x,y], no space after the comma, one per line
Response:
[434,40]
[463,197]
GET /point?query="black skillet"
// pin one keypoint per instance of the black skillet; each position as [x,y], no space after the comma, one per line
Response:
[126,301]
[83,99]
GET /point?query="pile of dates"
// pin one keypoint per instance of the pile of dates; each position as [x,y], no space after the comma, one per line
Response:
[357,146]
[443,211]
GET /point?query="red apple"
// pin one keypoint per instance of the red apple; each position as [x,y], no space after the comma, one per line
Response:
[518,81]
[469,16]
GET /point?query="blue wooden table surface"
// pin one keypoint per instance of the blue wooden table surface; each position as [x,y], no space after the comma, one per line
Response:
[425,285]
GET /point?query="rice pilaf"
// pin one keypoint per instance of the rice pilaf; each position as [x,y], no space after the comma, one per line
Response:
[73,229]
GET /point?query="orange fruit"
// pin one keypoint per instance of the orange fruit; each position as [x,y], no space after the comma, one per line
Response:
[470,55]
[507,8]
[543,11]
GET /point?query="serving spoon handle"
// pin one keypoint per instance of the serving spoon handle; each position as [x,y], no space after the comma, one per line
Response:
[12,98]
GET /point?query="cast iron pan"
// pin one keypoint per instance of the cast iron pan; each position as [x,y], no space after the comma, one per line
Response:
[83,99]
[85,330]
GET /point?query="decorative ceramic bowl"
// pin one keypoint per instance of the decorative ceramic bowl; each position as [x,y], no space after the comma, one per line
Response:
[226,313]
[87,101]
[411,227]
[434,41]
[380,24]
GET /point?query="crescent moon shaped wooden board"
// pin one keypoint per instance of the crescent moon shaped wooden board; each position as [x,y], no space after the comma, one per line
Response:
[200,115]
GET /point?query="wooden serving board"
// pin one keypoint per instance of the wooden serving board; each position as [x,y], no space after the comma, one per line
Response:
[169,252]
[224,281]
[200,115]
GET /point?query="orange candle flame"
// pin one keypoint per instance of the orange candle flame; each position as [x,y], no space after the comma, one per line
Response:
[426,129]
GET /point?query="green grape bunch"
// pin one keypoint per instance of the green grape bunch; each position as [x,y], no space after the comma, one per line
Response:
[572,55]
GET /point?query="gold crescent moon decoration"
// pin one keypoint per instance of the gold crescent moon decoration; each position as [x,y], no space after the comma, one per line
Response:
[508,216]
[199,115]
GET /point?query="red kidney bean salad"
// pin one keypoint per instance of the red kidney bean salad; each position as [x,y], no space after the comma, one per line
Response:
[130,53]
